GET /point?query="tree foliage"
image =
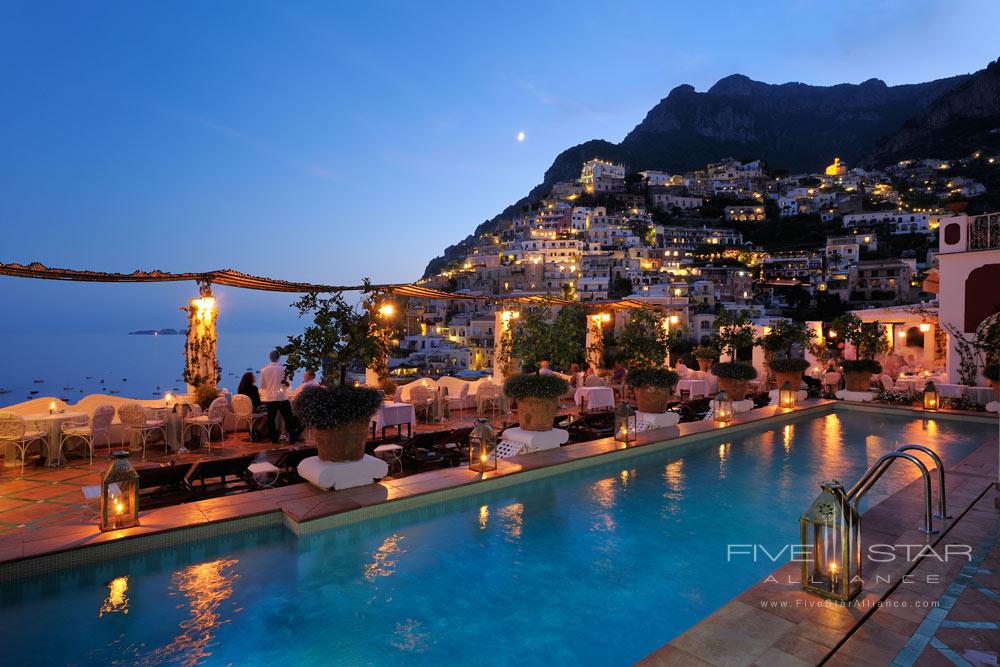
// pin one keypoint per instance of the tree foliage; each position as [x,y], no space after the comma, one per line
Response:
[643,340]
[538,335]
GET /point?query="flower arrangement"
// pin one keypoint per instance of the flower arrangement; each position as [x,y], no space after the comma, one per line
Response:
[861,366]
[651,377]
[332,406]
[962,403]
[734,370]
[523,386]
[895,397]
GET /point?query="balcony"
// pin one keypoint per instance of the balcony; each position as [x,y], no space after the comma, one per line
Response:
[984,232]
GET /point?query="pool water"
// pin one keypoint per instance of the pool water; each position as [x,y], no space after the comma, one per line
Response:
[597,566]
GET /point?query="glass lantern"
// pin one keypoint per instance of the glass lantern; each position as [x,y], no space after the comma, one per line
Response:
[932,399]
[625,424]
[786,395]
[722,407]
[830,532]
[119,494]
[482,447]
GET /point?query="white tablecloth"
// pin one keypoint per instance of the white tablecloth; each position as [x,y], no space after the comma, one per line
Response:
[597,397]
[394,414]
[693,387]
[52,424]
[916,384]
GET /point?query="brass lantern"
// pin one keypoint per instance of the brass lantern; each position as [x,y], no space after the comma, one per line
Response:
[119,494]
[830,532]
[722,407]
[786,395]
[482,447]
[625,424]
[932,399]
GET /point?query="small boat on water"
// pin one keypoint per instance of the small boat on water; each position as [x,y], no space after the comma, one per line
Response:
[4,390]
[39,381]
[114,391]
[67,388]
[33,392]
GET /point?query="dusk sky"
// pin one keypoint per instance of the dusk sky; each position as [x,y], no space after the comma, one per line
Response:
[331,141]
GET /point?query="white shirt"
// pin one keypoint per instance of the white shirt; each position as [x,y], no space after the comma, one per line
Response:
[307,383]
[546,371]
[271,377]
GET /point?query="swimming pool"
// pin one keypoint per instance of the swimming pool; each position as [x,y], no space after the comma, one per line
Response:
[600,565]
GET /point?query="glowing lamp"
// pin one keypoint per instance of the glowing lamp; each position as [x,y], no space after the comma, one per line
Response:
[786,395]
[932,399]
[674,319]
[482,447]
[386,310]
[119,494]
[924,327]
[168,398]
[830,534]
[626,425]
[832,333]
[52,407]
[722,407]
[902,333]
[204,308]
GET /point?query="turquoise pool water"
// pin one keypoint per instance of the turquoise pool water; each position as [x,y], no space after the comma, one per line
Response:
[597,566]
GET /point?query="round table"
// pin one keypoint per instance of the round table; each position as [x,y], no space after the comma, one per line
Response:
[53,424]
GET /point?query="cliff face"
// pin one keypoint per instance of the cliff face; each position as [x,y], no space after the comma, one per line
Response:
[964,119]
[793,126]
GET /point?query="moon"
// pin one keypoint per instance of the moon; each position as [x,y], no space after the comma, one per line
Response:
[520,137]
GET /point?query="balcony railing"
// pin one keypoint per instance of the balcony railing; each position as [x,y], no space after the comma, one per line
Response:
[984,232]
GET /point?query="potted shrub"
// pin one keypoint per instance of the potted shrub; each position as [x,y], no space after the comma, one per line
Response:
[537,399]
[992,373]
[653,388]
[869,341]
[339,418]
[788,370]
[705,356]
[858,373]
[733,377]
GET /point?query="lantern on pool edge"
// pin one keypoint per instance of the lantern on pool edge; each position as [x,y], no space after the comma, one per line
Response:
[625,424]
[482,447]
[722,407]
[119,494]
[830,533]
[786,395]
[932,399]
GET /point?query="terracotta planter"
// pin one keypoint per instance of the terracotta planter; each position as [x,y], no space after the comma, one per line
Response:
[704,365]
[735,389]
[344,443]
[653,400]
[537,414]
[857,381]
[794,379]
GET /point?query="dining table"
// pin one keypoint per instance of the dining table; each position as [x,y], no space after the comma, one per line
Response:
[395,414]
[594,397]
[693,387]
[51,423]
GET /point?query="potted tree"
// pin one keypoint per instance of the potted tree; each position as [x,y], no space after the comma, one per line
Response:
[705,356]
[643,340]
[537,399]
[341,335]
[778,343]
[653,388]
[735,333]
[338,417]
[869,341]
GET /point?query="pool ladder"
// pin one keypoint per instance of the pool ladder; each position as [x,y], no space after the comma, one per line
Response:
[863,485]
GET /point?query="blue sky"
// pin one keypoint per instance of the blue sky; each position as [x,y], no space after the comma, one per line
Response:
[331,141]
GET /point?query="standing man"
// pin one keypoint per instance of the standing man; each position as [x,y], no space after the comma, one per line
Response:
[274,395]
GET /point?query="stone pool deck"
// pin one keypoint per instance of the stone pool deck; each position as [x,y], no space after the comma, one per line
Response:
[911,611]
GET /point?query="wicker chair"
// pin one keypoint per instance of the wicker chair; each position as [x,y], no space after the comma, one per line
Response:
[13,433]
[422,398]
[489,393]
[205,422]
[243,413]
[137,425]
[98,426]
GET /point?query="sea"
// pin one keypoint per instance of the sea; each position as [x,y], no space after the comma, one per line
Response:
[72,365]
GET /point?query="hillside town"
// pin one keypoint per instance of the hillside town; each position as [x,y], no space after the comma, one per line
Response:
[731,236]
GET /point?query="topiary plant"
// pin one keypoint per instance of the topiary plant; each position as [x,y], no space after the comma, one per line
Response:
[204,394]
[327,407]
[705,353]
[793,365]
[535,386]
[734,370]
[651,377]
[861,366]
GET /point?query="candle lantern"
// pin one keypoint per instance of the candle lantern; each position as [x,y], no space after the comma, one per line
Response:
[52,407]
[786,395]
[120,494]
[625,424]
[830,532]
[482,447]
[722,407]
[931,397]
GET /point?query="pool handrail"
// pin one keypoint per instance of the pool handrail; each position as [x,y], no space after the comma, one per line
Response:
[862,486]
[942,503]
